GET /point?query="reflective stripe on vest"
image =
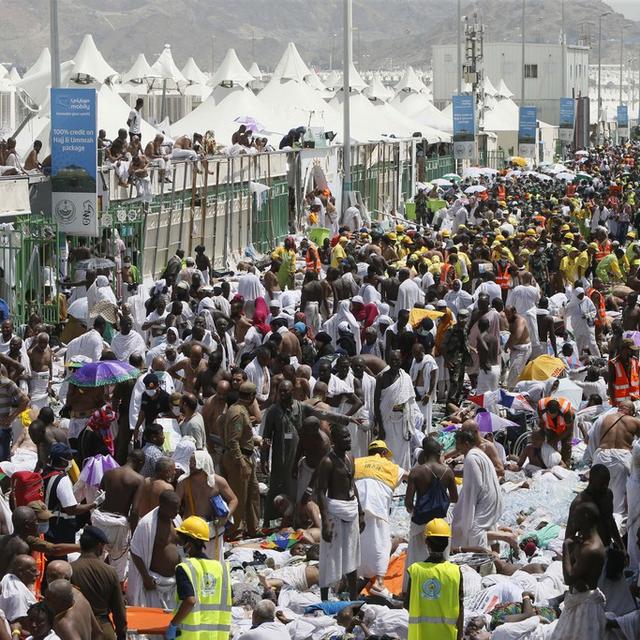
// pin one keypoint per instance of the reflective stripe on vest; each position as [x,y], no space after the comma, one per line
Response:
[601,317]
[210,617]
[434,601]
[625,387]
[558,425]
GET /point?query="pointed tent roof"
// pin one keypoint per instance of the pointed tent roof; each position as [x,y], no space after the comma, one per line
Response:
[356,81]
[14,76]
[192,73]
[410,82]
[231,70]
[377,90]
[291,65]
[166,68]
[89,61]
[3,72]
[333,80]
[503,91]
[489,89]
[220,111]
[37,86]
[43,63]
[140,70]
[254,70]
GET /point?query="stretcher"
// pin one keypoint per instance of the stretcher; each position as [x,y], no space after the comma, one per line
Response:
[148,620]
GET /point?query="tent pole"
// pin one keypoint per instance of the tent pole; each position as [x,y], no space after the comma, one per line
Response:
[346,153]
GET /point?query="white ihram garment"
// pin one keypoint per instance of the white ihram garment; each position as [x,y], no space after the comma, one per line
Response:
[342,555]
[142,541]
[116,528]
[583,617]
[479,505]
[518,358]
[399,425]
[488,380]
[425,366]
[633,501]
[618,461]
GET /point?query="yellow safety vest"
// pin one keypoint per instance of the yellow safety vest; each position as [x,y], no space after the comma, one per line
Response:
[434,601]
[377,468]
[210,618]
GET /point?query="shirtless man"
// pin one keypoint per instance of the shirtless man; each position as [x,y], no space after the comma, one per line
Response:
[546,329]
[484,445]
[631,313]
[192,367]
[317,400]
[290,345]
[147,496]
[301,386]
[340,542]
[32,163]
[208,379]
[44,434]
[165,556]
[41,360]
[16,369]
[154,152]
[313,446]
[270,279]
[489,358]
[532,452]
[617,432]
[315,290]
[422,477]
[518,345]
[73,617]
[195,493]
[390,286]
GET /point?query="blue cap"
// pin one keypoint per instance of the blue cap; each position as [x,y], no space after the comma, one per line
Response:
[61,451]
[301,327]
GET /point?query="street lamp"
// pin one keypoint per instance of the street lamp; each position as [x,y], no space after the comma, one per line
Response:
[602,15]
[621,66]
[523,59]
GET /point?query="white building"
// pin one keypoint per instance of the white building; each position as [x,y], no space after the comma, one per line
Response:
[545,81]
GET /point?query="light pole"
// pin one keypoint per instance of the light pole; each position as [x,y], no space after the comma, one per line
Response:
[458,53]
[55,43]
[621,64]
[346,143]
[602,15]
[524,3]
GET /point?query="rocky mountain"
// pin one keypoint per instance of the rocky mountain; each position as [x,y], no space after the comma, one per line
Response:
[387,32]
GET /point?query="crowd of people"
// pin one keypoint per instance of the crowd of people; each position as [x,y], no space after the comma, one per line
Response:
[419,431]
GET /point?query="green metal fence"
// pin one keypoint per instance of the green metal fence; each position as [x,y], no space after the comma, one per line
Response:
[271,217]
[437,167]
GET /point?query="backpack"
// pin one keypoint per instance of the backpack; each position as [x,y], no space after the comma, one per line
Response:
[26,487]
[432,504]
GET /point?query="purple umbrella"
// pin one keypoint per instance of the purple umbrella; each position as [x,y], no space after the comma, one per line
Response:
[251,123]
[490,422]
[101,374]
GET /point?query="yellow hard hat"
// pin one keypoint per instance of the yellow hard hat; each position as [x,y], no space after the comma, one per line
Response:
[565,227]
[569,236]
[437,527]
[446,233]
[194,527]
[378,444]
[531,232]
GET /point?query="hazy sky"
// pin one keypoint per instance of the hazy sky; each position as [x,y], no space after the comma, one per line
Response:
[630,8]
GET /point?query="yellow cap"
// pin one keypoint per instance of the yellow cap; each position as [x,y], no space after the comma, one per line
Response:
[568,236]
[500,237]
[446,233]
[194,527]
[437,527]
[379,444]
[565,227]
[531,232]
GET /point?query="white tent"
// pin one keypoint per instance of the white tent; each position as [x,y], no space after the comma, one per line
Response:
[401,126]
[377,90]
[88,61]
[37,86]
[291,65]
[231,70]
[113,112]
[43,63]
[254,70]
[313,80]
[166,68]
[140,70]
[410,82]
[192,73]
[3,72]
[14,76]
[220,112]
[333,80]
[503,91]
[367,123]
[356,81]
[298,104]
[489,89]
[417,107]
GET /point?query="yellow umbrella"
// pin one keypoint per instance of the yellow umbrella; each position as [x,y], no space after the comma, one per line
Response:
[521,162]
[416,316]
[543,368]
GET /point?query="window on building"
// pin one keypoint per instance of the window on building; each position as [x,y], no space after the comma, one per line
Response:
[530,70]
[448,57]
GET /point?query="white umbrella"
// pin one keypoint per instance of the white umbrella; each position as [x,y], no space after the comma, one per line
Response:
[441,182]
[582,152]
[556,168]
[565,175]
[79,309]
[570,391]
[472,172]
[477,188]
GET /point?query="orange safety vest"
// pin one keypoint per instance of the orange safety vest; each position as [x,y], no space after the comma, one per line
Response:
[571,190]
[601,309]
[502,193]
[502,277]
[312,259]
[445,269]
[558,425]
[625,387]
[604,249]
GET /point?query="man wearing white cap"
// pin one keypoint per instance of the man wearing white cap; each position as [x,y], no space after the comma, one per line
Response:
[581,311]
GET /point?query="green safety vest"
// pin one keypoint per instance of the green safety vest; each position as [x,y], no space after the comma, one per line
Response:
[434,601]
[210,618]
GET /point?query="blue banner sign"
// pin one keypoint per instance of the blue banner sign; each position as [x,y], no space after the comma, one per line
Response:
[567,118]
[527,126]
[74,160]
[464,126]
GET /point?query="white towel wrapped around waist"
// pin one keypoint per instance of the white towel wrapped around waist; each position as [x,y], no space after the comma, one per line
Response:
[345,510]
